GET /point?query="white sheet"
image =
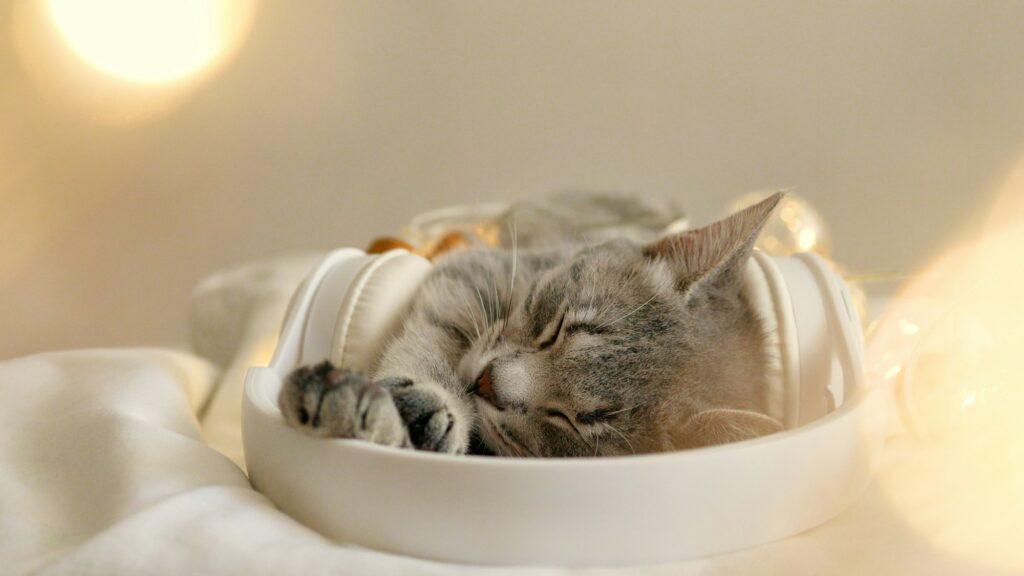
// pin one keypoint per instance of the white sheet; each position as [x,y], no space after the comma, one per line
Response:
[105,470]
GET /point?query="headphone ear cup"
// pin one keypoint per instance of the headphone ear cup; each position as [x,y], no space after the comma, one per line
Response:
[373,306]
[786,357]
[820,342]
[845,328]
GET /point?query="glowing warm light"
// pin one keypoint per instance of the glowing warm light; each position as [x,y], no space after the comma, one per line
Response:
[909,328]
[148,41]
[893,372]
[970,400]
[807,239]
[121,62]
[952,347]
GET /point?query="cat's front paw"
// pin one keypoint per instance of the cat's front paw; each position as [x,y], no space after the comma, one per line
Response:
[434,420]
[331,402]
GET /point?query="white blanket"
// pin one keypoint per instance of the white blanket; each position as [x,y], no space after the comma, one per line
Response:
[105,469]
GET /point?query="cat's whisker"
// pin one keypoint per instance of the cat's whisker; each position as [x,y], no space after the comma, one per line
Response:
[465,311]
[607,306]
[628,314]
[494,306]
[626,409]
[462,332]
[582,437]
[621,435]
[483,306]
[469,310]
[488,292]
[618,295]
[515,262]
[494,310]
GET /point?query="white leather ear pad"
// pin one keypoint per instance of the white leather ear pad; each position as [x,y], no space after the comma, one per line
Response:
[373,306]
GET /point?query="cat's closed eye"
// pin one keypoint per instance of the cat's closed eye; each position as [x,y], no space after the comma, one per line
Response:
[586,328]
[553,336]
[584,418]
[562,330]
[559,415]
[597,416]
[563,419]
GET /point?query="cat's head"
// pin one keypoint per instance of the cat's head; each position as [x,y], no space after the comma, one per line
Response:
[626,348]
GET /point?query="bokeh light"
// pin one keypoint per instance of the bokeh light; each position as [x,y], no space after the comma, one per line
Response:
[145,40]
[121,61]
[795,226]
[950,348]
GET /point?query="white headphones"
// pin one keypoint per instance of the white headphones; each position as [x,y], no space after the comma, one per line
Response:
[572,512]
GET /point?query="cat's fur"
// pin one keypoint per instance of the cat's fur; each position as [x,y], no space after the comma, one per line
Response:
[573,350]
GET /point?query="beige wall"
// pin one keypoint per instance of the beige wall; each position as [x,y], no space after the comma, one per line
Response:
[340,120]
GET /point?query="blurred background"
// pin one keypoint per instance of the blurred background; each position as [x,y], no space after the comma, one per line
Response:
[144,145]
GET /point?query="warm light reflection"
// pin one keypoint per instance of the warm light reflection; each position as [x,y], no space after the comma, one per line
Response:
[148,41]
[951,343]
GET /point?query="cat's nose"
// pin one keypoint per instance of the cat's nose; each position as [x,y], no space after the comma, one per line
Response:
[485,386]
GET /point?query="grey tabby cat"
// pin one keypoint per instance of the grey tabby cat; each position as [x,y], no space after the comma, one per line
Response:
[573,350]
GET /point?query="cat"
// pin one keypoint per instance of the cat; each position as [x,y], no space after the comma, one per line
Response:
[573,350]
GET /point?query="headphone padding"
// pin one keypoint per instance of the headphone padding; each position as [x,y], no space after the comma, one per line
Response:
[789,345]
[373,307]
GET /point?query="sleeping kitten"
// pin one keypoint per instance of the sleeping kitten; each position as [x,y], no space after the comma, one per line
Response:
[572,350]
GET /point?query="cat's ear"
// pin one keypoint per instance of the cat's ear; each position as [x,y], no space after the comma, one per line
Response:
[723,425]
[715,254]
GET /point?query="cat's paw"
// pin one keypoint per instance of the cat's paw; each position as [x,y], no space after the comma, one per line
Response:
[330,402]
[434,420]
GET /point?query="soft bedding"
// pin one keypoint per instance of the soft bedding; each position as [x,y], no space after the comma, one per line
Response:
[129,462]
